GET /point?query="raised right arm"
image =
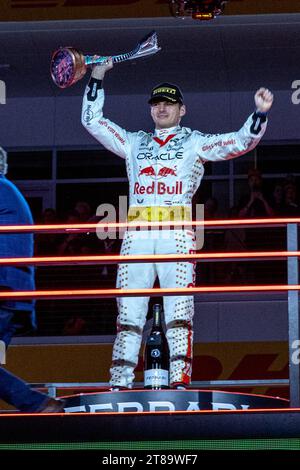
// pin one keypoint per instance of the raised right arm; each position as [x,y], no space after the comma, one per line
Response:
[109,134]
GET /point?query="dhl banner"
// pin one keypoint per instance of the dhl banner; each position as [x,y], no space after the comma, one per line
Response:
[212,361]
[35,10]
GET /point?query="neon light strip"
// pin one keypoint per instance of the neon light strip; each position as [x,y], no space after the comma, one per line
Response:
[106,293]
[167,224]
[113,259]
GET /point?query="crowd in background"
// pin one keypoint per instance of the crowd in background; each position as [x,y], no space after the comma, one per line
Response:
[256,202]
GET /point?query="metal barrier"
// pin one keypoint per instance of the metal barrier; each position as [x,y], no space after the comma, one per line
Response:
[96,386]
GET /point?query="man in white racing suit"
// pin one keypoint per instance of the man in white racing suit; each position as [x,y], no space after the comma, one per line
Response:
[165,169]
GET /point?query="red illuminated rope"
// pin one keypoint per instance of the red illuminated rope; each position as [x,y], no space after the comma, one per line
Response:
[106,293]
[117,259]
[61,228]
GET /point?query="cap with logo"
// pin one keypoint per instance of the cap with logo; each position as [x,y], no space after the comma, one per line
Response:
[166,92]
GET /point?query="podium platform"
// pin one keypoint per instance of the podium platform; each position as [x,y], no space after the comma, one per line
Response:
[161,420]
[191,400]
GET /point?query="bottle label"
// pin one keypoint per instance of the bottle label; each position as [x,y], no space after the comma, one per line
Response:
[156,378]
[155,353]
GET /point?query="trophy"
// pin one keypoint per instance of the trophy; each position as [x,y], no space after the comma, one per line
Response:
[68,65]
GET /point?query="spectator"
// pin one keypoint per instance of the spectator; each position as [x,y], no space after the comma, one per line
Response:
[235,241]
[213,241]
[75,326]
[277,199]
[47,244]
[71,244]
[255,204]
[49,216]
[290,204]
[84,211]
[211,206]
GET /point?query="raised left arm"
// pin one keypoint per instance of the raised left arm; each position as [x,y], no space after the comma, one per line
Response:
[221,147]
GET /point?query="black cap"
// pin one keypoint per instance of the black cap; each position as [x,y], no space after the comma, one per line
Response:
[166,92]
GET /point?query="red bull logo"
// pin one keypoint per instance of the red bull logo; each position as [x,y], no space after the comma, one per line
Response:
[148,171]
[162,173]
[158,188]
[165,171]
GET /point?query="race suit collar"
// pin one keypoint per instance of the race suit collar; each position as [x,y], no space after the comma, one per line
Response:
[162,136]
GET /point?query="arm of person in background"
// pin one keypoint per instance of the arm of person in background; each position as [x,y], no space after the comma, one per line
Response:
[220,147]
[244,211]
[109,134]
[269,211]
[256,195]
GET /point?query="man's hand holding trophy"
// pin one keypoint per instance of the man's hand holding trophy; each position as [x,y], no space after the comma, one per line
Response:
[68,65]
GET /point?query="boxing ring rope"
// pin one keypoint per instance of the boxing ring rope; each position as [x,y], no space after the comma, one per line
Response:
[292,288]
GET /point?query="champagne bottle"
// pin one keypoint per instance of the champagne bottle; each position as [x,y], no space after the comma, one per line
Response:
[156,355]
